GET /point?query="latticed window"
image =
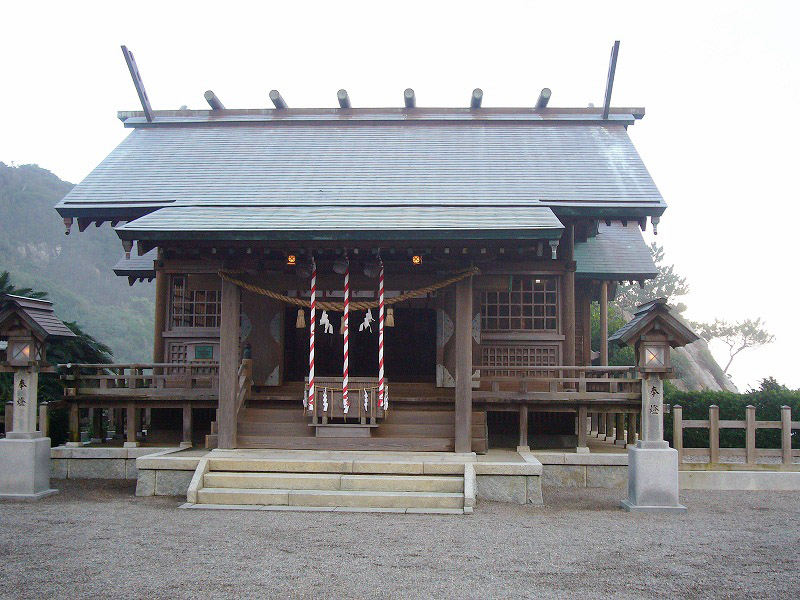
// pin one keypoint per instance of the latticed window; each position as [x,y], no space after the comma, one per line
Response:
[519,356]
[194,308]
[531,304]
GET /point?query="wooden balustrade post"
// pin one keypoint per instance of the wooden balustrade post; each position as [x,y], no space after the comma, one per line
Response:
[786,435]
[523,427]
[582,447]
[131,426]
[631,429]
[713,433]
[677,430]
[750,434]
[620,437]
[187,426]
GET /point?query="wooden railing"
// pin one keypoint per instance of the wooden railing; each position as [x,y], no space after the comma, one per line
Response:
[750,425]
[141,379]
[244,382]
[556,383]
[332,388]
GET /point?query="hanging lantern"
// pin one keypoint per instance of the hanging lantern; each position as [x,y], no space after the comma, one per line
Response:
[390,317]
[301,319]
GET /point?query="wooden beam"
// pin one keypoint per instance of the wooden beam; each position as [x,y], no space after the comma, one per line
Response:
[569,296]
[343,98]
[214,102]
[409,98]
[278,101]
[131,427]
[228,364]
[463,370]
[477,98]
[138,83]
[612,67]
[544,98]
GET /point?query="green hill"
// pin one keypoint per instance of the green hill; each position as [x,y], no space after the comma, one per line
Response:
[75,270]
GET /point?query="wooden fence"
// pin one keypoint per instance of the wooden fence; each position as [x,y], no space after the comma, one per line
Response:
[750,425]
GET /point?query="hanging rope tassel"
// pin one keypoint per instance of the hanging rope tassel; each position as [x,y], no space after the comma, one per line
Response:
[346,325]
[313,327]
[381,323]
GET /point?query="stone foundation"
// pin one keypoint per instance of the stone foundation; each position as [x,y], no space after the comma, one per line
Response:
[98,463]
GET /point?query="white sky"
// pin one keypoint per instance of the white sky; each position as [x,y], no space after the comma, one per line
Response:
[719,80]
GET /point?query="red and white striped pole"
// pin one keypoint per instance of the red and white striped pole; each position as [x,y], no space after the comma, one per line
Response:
[313,327]
[346,321]
[381,382]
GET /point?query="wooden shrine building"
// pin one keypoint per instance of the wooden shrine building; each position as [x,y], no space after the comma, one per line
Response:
[466,245]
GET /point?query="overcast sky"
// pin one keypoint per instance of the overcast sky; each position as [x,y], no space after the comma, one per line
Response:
[719,80]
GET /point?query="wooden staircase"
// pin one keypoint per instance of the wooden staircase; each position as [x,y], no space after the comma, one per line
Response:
[327,485]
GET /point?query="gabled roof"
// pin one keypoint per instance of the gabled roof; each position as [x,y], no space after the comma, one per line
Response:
[571,161]
[645,317]
[616,253]
[37,314]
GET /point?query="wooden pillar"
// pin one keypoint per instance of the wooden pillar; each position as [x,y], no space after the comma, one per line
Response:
[74,422]
[601,425]
[677,430]
[162,290]
[610,427]
[713,433]
[96,418]
[620,441]
[523,426]
[44,420]
[131,426]
[631,428]
[229,364]
[568,239]
[187,426]
[786,435]
[463,376]
[582,422]
[604,323]
[750,434]
[595,424]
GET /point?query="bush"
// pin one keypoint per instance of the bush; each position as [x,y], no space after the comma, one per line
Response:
[768,404]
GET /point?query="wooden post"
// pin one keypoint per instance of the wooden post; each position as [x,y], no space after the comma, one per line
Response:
[594,424]
[583,447]
[610,427]
[9,417]
[713,433]
[631,428]
[162,281]
[44,422]
[620,438]
[463,377]
[750,435]
[601,425]
[97,424]
[604,323]
[74,422]
[187,426]
[228,364]
[569,295]
[523,426]
[786,435]
[132,426]
[677,430]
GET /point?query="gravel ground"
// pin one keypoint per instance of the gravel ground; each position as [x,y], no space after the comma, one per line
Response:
[95,539]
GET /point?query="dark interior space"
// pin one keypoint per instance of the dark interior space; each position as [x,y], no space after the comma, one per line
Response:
[545,429]
[409,347]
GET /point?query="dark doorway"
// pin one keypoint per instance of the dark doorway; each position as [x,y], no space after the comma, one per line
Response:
[409,347]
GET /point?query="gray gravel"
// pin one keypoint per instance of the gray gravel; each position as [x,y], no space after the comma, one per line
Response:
[95,539]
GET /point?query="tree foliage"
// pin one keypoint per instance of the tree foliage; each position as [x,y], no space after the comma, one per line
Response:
[738,336]
[668,284]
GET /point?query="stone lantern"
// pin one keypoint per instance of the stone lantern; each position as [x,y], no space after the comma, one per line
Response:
[26,323]
[652,464]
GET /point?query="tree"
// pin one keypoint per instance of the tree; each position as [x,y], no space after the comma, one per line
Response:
[737,336]
[667,284]
[6,287]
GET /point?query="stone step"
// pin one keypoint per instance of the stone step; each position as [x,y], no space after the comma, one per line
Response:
[358,466]
[333,481]
[334,498]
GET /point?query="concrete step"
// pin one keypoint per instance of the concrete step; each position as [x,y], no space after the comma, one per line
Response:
[331,498]
[334,481]
[356,465]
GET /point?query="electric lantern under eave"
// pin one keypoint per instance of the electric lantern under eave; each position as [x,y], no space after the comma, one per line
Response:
[479,237]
